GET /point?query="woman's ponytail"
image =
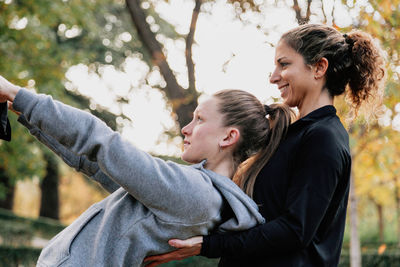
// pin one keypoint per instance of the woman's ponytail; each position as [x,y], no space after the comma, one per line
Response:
[367,74]
[279,116]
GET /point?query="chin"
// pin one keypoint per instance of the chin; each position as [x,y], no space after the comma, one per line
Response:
[188,159]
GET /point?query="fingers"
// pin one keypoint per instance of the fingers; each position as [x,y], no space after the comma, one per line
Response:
[186,248]
[175,255]
[177,243]
[188,243]
[154,258]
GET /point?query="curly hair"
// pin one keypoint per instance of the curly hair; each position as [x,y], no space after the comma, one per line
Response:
[355,62]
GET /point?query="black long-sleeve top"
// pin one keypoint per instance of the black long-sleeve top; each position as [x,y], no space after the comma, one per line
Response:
[302,192]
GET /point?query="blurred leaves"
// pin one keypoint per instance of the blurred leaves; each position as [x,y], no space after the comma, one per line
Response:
[376,150]
[39,41]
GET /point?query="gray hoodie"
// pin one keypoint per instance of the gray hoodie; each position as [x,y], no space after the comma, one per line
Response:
[151,200]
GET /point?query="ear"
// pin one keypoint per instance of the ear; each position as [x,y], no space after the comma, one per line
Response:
[231,138]
[320,68]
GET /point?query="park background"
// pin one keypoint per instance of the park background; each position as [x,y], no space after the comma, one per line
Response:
[141,66]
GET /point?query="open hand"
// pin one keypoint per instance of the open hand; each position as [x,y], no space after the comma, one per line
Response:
[185,249]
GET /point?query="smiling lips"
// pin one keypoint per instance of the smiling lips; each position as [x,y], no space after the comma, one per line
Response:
[283,89]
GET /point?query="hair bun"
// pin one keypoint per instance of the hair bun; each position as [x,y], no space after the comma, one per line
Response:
[348,40]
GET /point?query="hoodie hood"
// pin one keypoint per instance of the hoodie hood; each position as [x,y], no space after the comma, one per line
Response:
[245,210]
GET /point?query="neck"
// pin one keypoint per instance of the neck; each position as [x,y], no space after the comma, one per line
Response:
[314,102]
[223,167]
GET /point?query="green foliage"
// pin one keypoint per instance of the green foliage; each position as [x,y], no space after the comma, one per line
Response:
[372,258]
[16,234]
[20,159]
[39,41]
[17,230]
[376,150]
[22,256]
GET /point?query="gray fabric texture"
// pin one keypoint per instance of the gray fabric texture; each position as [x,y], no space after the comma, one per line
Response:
[151,200]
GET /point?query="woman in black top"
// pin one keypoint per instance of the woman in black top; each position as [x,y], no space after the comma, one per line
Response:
[303,189]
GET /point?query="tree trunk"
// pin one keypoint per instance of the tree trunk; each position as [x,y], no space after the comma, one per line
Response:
[188,51]
[49,205]
[183,101]
[397,197]
[380,222]
[8,200]
[299,17]
[355,249]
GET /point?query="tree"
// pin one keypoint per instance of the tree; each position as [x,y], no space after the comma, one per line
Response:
[183,101]
[380,18]
[40,41]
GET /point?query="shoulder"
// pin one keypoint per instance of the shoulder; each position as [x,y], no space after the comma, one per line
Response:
[327,130]
[327,136]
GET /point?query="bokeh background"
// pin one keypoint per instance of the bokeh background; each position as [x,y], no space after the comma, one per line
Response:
[142,66]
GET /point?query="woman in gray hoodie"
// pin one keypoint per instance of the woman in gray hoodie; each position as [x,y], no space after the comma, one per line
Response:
[152,200]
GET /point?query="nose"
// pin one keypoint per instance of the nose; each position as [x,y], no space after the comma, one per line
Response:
[275,76]
[187,129]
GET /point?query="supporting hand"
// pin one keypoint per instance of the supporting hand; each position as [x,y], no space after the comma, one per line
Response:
[186,248]
[8,91]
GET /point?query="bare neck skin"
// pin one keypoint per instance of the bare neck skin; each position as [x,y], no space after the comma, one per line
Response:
[315,101]
[223,165]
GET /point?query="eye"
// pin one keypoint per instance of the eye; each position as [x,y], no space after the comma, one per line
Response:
[198,118]
[284,64]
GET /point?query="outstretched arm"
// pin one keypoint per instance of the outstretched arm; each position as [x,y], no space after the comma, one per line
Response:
[79,163]
[146,178]
[8,91]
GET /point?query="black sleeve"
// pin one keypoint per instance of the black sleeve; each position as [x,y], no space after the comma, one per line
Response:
[5,128]
[316,171]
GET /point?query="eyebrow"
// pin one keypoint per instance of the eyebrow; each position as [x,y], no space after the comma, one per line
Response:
[280,59]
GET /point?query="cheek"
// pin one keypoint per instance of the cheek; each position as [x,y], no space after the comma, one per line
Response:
[201,132]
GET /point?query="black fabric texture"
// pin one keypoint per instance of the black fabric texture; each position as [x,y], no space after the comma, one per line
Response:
[5,128]
[302,193]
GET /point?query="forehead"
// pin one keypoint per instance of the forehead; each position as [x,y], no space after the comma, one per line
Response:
[283,50]
[208,106]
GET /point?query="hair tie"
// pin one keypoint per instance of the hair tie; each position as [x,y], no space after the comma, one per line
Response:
[269,111]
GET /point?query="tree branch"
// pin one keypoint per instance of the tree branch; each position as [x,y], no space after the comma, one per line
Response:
[300,19]
[151,43]
[323,11]
[308,13]
[189,43]
[182,101]
[297,10]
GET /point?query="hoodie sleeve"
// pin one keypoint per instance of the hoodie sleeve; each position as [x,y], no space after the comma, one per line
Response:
[171,191]
[79,163]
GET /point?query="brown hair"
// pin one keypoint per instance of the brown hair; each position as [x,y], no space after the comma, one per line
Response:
[355,61]
[261,128]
